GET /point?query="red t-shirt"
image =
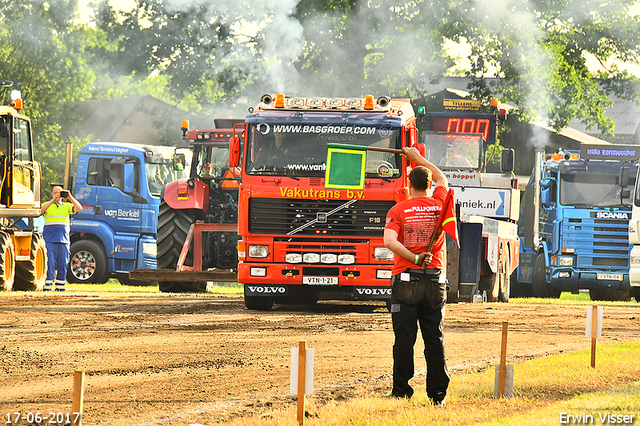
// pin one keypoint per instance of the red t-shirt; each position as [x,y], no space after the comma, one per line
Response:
[414,220]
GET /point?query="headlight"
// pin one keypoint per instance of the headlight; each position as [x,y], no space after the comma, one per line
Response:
[311,258]
[383,274]
[346,259]
[329,258]
[150,249]
[293,258]
[258,272]
[635,260]
[566,261]
[382,253]
[258,252]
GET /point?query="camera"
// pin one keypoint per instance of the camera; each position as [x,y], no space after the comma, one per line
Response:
[64,194]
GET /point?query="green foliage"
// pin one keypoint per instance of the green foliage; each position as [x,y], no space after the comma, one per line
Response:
[206,56]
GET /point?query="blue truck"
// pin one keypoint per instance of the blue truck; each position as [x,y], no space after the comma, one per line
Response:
[119,186]
[574,235]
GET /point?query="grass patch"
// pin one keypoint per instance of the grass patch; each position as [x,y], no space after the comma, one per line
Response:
[544,389]
[567,298]
[113,286]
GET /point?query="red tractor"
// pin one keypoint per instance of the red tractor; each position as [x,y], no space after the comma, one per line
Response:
[197,222]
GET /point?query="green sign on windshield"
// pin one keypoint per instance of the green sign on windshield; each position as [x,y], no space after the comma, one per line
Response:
[345,166]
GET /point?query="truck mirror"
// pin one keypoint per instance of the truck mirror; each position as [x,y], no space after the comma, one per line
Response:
[129,186]
[234,151]
[545,197]
[507,160]
[624,176]
[420,147]
[179,160]
[4,129]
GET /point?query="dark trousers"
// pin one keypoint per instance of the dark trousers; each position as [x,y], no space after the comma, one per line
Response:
[429,314]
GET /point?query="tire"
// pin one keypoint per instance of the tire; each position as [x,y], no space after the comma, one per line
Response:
[125,280]
[31,275]
[540,287]
[173,226]
[519,289]
[491,284]
[88,263]
[258,303]
[616,295]
[7,262]
[182,287]
[505,285]
[635,291]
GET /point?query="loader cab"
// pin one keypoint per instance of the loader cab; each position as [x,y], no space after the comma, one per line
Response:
[19,173]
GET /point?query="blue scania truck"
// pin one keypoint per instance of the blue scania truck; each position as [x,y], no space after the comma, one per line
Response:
[574,235]
[119,187]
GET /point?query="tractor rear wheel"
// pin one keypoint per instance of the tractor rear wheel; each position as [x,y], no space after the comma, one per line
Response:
[7,262]
[173,226]
[32,274]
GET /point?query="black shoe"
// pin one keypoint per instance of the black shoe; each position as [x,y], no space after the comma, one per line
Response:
[46,289]
[396,395]
[438,402]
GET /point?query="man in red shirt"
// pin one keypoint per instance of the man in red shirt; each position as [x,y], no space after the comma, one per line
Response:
[418,286]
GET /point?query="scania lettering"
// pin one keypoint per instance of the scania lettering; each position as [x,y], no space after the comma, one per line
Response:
[576,231]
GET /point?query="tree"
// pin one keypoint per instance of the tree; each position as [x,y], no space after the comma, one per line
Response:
[44,51]
[535,49]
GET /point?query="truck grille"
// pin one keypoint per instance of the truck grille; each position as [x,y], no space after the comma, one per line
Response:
[599,242]
[360,218]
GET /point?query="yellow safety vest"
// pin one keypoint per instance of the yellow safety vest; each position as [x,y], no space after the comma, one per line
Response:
[58,214]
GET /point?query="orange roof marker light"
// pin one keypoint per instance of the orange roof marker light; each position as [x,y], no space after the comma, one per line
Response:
[494,102]
[368,102]
[280,100]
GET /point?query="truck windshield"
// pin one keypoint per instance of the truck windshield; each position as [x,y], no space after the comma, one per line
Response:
[592,185]
[301,150]
[454,151]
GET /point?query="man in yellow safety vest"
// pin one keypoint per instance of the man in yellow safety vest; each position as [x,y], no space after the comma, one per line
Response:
[56,235]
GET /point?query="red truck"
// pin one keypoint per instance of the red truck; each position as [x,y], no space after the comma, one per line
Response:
[299,241]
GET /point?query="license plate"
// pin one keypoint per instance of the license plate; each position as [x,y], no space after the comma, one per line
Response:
[611,277]
[320,280]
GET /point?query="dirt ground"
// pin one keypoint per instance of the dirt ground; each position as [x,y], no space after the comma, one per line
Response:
[177,360]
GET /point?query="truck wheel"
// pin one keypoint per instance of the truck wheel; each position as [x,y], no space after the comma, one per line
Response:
[505,287]
[173,226]
[491,284]
[540,286]
[505,279]
[31,275]
[258,303]
[616,295]
[7,262]
[88,264]
[635,291]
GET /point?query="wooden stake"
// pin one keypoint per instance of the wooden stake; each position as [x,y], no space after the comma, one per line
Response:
[302,356]
[503,361]
[78,398]
[594,334]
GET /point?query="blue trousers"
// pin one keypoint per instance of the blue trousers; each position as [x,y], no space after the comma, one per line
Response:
[57,263]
